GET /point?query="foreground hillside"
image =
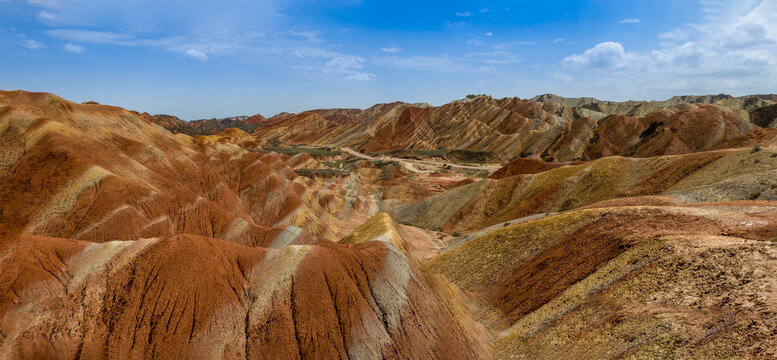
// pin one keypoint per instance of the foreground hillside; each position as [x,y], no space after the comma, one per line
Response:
[122,239]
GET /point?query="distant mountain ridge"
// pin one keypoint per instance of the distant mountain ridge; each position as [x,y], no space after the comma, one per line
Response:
[741,104]
[209,126]
[546,127]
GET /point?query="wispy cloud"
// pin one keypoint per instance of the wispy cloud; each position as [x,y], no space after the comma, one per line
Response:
[31,44]
[50,4]
[344,65]
[463,14]
[498,57]
[201,48]
[392,49]
[560,76]
[558,40]
[483,10]
[488,34]
[630,21]
[75,48]
[361,77]
[509,44]
[442,63]
[199,55]
[678,34]
[94,37]
[47,15]
[312,36]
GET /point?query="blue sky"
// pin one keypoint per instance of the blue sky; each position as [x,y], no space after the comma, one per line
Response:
[200,59]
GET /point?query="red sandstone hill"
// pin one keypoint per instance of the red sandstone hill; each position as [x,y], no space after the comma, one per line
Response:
[512,127]
[120,239]
[208,126]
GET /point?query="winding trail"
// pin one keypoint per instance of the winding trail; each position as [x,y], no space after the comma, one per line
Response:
[367,157]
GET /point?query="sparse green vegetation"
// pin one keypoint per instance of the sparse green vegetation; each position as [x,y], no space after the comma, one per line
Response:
[383,163]
[452,155]
[294,150]
[323,173]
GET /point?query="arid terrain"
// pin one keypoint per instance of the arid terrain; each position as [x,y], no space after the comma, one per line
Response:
[540,228]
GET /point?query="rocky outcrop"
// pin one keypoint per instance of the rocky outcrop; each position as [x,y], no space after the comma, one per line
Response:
[765,116]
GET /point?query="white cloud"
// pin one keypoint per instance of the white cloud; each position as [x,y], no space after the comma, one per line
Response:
[344,65]
[604,55]
[560,76]
[736,52]
[463,14]
[558,40]
[95,37]
[486,69]
[392,49]
[426,63]
[759,27]
[489,34]
[498,57]
[31,44]
[678,34]
[50,4]
[199,55]
[483,10]
[223,46]
[312,36]
[47,15]
[630,21]
[74,48]
[361,77]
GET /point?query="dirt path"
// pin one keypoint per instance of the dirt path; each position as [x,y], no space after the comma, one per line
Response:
[367,157]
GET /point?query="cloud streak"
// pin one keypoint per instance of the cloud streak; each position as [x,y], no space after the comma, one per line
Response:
[74,48]
[196,54]
[31,44]
[392,49]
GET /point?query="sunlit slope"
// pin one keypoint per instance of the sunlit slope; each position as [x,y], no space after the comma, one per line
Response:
[103,173]
[723,175]
[642,281]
